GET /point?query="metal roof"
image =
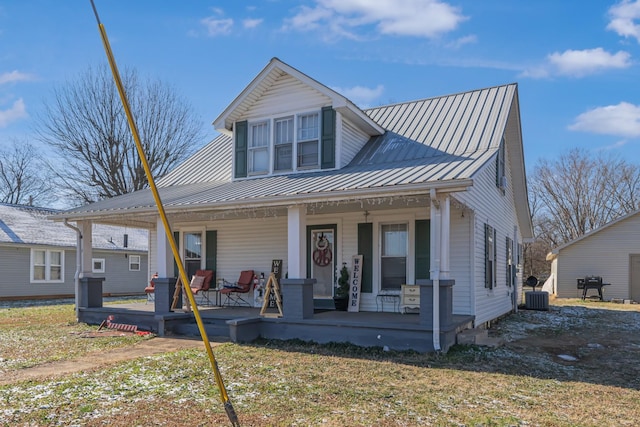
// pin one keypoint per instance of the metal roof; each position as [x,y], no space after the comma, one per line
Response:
[436,142]
[27,225]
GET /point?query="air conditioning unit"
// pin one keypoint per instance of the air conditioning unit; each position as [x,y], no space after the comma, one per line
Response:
[536,300]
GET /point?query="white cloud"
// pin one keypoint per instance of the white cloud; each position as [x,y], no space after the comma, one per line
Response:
[16,112]
[417,18]
[360,95]
[623,16]
[251,23]
[622,120]
[217,26]
[579,63]
[14,76]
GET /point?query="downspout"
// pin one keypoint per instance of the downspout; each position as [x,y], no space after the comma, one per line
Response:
[436,239]
[76,276]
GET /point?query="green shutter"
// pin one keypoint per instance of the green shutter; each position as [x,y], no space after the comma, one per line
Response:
[176,238]
[365,248]
[328,144]
[422,248]
[212,250]
[241,134]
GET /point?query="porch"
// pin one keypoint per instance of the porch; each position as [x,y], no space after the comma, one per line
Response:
[300,321]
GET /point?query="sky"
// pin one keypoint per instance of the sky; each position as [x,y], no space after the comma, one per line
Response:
[576,62]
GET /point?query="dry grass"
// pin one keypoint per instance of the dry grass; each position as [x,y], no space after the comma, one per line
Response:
[522,383]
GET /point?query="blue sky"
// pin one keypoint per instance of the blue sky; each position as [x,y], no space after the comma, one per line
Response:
[576,62]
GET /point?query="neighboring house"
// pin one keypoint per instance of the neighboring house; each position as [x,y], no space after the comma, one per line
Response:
[611,252]
[428,189]
[38,256]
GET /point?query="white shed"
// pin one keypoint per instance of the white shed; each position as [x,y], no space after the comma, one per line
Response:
[611,251]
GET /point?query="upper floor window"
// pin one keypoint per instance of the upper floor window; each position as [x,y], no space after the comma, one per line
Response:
[308,140]
[501,178]
[47,265]
[259,148]
[274,144]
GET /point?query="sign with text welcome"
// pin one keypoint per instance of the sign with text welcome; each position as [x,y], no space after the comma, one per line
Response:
[355,283]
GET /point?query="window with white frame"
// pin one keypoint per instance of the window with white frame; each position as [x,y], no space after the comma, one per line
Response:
[308,140]
[259,148]
[490,257]
[283,144]
[134,262]
[97,265]
[273,144]
[393,257]
[47,266]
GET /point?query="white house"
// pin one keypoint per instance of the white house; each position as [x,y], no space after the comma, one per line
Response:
[611,252]
[38,256]
[428,190]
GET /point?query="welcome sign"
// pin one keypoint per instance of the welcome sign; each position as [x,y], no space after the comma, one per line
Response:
[355,283]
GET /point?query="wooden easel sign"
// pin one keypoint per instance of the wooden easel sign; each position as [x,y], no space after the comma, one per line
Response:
[272,291]
[355,283]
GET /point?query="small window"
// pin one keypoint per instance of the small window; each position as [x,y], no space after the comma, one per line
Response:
[134,262]
[501,179]
[490,256]
[97,265]
[47,266]
[308,140]
[259,148]
[283,141]
[510,263]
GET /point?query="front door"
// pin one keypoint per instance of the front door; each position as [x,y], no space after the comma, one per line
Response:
[321,259]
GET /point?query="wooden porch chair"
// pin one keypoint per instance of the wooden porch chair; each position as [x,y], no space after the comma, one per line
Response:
[235,292]
[202,286]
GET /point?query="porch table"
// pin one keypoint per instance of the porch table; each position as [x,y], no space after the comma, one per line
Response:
[383,297]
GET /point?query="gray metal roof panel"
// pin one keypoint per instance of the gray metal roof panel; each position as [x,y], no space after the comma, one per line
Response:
[438,139]
[30,226]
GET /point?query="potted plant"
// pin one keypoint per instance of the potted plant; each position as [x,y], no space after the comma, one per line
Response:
[341,294]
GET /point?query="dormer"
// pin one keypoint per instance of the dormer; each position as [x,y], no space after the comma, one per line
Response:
[286,122]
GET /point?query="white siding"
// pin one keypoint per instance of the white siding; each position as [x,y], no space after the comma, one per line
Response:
[15,264]
[353,139]
[285,96]
[250,244]
[605,253]
[498,210]
[460,261]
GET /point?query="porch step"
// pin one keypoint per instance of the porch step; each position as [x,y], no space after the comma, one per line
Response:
[477,336]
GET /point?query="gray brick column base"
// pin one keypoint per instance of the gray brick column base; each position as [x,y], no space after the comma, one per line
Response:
[426,302]
[297,298]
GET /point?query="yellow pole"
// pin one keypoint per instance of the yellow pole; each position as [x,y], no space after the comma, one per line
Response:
[167,228]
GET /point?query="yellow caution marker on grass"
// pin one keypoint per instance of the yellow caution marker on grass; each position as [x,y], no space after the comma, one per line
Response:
[167,228]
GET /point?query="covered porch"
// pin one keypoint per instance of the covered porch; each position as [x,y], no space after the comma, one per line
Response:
[392,330]
[228,241]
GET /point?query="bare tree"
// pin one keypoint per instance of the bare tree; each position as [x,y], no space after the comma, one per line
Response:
[21,176]
[579,192]
[86,125]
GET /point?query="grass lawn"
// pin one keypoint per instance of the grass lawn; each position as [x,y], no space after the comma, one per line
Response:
[525,382]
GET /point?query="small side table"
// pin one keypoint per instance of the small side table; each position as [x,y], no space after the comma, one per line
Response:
[383,297]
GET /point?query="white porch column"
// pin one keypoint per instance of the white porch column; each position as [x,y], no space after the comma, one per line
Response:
[296,250]
[445,237]
[86,229]
[164,262]
[436,247]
